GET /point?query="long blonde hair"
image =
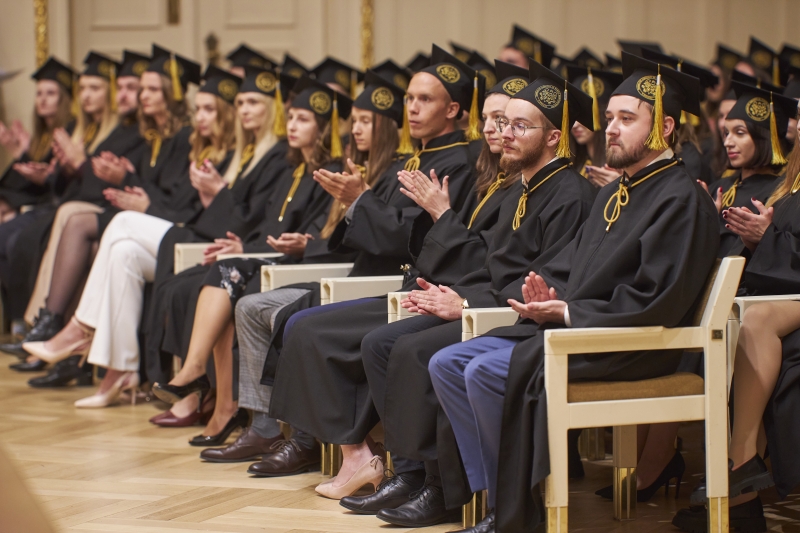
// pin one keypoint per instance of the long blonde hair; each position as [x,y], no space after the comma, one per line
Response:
[37,149]
[263,139]
[107,124]
[792,173]
[223,135]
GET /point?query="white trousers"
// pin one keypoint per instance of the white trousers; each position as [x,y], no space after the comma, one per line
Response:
[112,299]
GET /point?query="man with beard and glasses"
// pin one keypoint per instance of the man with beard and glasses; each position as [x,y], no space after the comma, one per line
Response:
[640,259]
[545,215]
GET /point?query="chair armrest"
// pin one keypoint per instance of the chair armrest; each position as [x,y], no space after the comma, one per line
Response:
[395,310]
[188,254]
[741,303]
[342,289]
[476,322]
[263,255]
[276,276]
[570,341]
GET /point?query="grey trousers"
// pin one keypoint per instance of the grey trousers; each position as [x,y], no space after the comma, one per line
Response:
[255,318]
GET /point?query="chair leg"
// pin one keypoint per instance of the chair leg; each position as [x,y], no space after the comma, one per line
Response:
[388,463]
[331,459]
[474,511]
[592,444]
[557,519]
[625,472]
[718,515]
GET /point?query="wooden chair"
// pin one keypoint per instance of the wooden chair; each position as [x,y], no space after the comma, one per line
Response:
[190,254]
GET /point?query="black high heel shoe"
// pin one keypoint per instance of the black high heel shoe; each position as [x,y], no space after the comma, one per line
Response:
[240,419]
[175,393]
[674,470]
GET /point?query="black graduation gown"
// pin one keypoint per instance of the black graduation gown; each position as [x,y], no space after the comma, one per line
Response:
[758,186]
[695,163]
[648,269]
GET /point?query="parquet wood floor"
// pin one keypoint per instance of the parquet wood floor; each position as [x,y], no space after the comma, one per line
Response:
[109,470]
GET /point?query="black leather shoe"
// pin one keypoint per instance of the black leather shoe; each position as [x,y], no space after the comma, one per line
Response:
[45,328]
[173,393]
[424,508]
[65,373]
[745,518]
[24,366]
[240,419]
[752,476]
[484,526]
[393,492]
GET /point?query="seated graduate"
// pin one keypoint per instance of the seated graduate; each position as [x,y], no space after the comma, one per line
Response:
[641,259]
[766,390]
[106,127]
[293,219]
[525,46]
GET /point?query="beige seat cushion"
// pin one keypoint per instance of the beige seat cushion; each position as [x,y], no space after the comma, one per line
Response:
[680,384]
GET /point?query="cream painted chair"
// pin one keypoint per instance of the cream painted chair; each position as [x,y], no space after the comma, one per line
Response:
[190,254]
[277,276]
[334,290]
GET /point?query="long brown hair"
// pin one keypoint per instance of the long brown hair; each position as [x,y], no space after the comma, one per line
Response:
[321,155]
[177,116]
[108,122]
[792,173]
[383,148]
[63,115]
[223,135]
[488,167]
[598,144]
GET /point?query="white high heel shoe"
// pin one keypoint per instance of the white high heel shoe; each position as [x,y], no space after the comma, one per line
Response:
[129,381]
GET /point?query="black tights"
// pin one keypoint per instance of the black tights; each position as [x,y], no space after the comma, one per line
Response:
[73,260]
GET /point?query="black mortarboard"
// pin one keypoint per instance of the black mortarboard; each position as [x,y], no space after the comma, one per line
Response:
[382,97]
[482,65]
[418,62]
[179,69]
[244,56]
[585,58]
[765,58]
[293,67]
[766,109]
[315,96]
[635,47]
[265,81]
[727,58]
[461,52]
[532,46]
[57,71]
[789,59]
[220,83]
[334,71]
[603,82]
[707,78]
[100,65]
[393,73]
[792,89]
[746,79]
[550,92]
[133,64]
[613,63]
[511,79]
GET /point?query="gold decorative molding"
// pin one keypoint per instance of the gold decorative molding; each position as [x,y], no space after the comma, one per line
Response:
[41,28]
[367,33]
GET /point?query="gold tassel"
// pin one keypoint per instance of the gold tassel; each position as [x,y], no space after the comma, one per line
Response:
[563,144]
[176,79]
[353,84]
[776,72]
[796,184]
[297,175]
[279,126]
[473,131]
[112,88]
[336,141]
[537,51]
[412,163]
[154,138]
[777,153]
[406,146]
[247,155]
[521,208]
[730,196]
[656,141]
[76,101]
[595,105]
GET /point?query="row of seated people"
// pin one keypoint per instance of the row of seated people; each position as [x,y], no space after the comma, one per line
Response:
[502,221]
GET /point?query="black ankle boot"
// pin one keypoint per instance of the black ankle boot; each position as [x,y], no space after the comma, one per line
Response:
[64,373]
[745,518]
[44,329]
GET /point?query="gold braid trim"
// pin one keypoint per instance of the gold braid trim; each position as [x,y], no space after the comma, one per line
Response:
[154,138]
[501,177]
[413,162]
[523,199]
[298,174]
[730,195]
[622,197]
[89,134]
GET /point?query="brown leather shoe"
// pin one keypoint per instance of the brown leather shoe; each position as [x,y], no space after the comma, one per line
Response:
[287,459]
[248,447]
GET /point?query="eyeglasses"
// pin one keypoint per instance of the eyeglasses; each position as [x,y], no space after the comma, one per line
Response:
[517,128]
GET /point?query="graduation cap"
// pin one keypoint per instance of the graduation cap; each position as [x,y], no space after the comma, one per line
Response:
[512,79]
[746,79]
[106,68]
[293,67]
[180,70]
[461,52]
[57,71]
[766,109]
[244,56]
[561,67]
[267,81]
[463,83]
[613,63]
[387,99]
[596,83]
[636,47]
[669,92]
[133,64]
[765,58]
[560,101]
[418,62]
[532,46]
[789,59]
[792,89]
[585,58]
[220,83]
[393,73]
[334,71]
[324,102]
[485,67]
[727,58]
[707,78]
